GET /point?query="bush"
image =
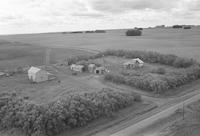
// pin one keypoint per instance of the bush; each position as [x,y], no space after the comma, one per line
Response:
[161,71]
[72,111]
[134,32]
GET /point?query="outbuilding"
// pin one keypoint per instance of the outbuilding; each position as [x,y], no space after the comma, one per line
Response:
[100,70]
[91,68]
[134,63]
[37,75]
[77,68]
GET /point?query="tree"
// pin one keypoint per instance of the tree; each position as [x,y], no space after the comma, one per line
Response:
[134,32]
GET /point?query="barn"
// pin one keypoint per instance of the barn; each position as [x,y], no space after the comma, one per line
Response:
[37,75]
[134,63]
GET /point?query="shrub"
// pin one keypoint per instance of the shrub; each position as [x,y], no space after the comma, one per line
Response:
[72,111]
[134,32]
[161,71]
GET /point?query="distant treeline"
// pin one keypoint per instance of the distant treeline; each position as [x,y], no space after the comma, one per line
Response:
[181,26]
[79,32]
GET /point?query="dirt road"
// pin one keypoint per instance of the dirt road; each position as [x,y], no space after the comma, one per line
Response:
[151,118]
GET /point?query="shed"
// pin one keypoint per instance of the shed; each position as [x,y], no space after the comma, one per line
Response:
[77,68]
[134,63]
[91,68]
[100,70]
[37,75]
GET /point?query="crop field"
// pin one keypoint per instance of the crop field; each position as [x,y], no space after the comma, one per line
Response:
[181,42]
[16,54]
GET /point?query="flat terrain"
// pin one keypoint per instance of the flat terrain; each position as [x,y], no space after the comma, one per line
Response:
[176,41]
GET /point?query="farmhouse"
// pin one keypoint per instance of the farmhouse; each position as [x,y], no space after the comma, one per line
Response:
[134,63]
[37,75]
[77,68]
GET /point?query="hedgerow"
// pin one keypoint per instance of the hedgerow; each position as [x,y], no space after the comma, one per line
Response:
[157,84]
[147,56]
[69,112]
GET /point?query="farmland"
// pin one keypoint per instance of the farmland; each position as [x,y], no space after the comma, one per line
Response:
[181,42]
[103,101]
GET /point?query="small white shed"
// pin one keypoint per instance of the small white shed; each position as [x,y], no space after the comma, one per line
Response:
[91,68]
[77,68]
[37,75]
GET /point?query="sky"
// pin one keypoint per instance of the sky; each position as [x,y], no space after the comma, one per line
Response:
[36,16]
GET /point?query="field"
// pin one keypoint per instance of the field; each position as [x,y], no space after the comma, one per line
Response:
[181,42]
[17,54]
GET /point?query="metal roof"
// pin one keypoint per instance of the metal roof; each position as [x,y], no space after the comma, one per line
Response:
[34,70]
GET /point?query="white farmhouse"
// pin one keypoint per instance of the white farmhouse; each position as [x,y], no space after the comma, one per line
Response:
[37,75]
[134,63]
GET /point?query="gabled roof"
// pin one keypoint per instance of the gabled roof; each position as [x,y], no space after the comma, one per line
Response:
[138,60]
[77,66]
[34,70]
[100,68]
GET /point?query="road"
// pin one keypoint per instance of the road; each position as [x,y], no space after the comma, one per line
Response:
[129,131]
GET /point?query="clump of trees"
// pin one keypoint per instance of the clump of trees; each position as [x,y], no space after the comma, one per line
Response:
[177,26]
[134,32]
[69,112]
[100,31]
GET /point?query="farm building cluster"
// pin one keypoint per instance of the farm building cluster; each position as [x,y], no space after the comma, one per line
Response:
[92,68]
[37,74]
